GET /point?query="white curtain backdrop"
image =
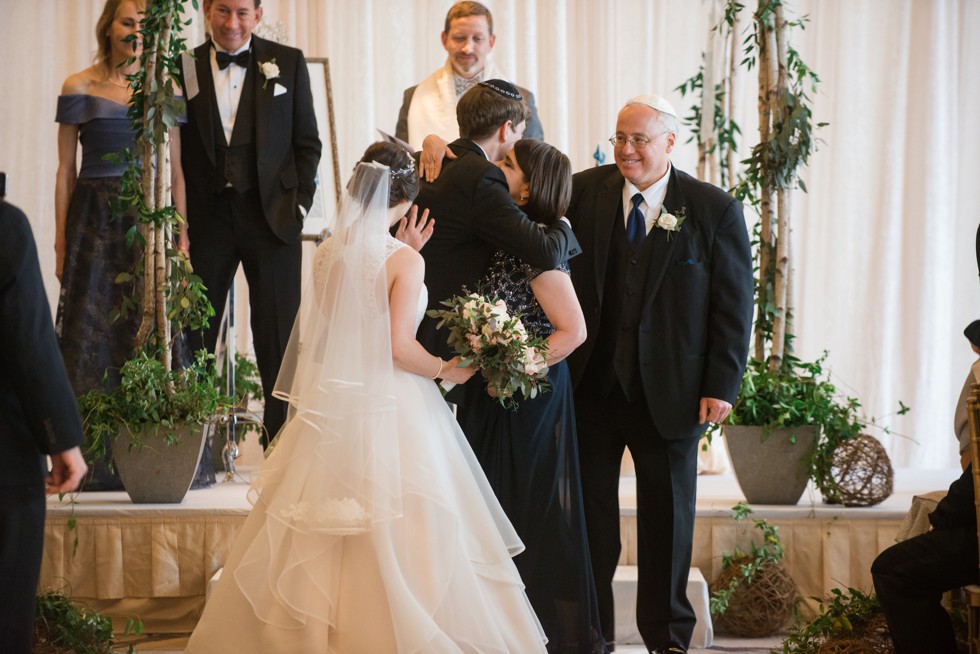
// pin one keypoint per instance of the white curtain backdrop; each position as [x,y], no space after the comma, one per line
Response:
[885,271]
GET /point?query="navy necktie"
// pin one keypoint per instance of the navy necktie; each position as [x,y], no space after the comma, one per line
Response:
[224,59]
[636,224]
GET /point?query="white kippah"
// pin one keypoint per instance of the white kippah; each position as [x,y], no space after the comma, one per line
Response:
[654,102]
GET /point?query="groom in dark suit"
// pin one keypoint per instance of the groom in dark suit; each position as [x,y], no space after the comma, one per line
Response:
[472,208]
[665,282]
[250,151]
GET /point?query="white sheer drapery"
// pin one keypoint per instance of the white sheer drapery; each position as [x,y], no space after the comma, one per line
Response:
[885,279]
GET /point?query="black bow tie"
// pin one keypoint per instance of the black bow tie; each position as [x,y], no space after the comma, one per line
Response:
[225,59]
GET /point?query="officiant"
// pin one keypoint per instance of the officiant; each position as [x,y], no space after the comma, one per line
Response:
[430,106]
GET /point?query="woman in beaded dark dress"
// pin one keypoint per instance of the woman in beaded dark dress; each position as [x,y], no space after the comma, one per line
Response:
[530,455]
[90,240]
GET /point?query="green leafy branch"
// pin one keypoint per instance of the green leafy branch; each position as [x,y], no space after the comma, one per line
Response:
[165,290]
[840,613]
[750,565]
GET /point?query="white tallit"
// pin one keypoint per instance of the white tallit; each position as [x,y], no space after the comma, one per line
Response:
[433,108]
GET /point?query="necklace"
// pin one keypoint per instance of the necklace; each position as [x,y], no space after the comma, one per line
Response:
[112,80]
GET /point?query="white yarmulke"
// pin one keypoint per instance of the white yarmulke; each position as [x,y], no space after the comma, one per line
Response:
[654,102]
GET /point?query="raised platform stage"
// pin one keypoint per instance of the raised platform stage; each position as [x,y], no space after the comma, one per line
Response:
[155,560]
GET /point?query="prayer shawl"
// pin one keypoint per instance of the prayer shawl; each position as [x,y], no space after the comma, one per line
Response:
[433,108]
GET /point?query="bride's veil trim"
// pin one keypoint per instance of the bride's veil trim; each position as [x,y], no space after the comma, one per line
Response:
[335,469]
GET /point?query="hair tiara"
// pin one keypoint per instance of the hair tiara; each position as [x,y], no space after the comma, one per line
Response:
[401,172]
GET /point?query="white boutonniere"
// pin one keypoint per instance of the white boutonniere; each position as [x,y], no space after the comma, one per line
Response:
[270,70]
[671,222]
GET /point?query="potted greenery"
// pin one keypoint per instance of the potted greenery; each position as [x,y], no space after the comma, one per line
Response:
[157,403]
[788,411]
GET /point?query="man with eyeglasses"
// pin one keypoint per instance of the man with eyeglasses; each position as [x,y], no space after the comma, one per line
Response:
[665,282]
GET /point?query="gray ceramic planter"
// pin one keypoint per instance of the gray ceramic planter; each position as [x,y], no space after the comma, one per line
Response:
[770,467]
[159,473]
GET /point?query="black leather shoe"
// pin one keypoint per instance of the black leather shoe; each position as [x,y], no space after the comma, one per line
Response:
[671,648]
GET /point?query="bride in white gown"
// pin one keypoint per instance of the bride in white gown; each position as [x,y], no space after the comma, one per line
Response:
[373,528]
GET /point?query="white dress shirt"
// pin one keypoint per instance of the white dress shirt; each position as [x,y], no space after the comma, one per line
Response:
[228,85]
[653,200]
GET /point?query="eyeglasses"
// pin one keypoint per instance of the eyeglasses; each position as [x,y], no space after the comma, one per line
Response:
[638,142]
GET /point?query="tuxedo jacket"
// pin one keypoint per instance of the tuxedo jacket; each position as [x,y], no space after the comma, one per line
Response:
[38,414]
[287,144]
[533,129]
[696,315]
[474,217]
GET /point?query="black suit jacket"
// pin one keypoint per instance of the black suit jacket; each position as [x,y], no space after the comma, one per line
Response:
[287,144]
[38,413]
[475,216]
[697,307]
[533,129]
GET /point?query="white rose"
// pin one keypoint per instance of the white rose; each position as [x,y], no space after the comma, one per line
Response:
[668,221]
[270,70]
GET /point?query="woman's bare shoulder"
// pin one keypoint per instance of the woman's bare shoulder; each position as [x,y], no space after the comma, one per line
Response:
[81,82]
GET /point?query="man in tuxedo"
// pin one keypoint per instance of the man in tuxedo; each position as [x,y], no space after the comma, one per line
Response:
[471,205]
[430,106]
[665,282]
[250,151]
[38,416]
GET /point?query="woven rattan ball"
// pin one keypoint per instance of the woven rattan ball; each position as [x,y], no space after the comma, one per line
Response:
[862,471]
[872,637]
[760,608]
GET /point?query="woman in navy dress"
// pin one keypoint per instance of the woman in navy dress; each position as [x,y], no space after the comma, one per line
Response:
[530,455]
[90,239]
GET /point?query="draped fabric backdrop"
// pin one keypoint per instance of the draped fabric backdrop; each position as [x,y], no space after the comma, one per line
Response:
[885,271]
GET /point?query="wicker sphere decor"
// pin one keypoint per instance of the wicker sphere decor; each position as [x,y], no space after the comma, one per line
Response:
[761,608]
[872,637]
[862,471]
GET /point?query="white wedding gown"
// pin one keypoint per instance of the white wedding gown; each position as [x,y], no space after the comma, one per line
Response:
[438,578]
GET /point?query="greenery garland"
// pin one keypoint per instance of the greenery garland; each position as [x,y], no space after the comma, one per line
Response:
[851,614]
[61,625]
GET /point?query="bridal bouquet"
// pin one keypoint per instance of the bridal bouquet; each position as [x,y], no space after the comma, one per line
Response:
[487,336]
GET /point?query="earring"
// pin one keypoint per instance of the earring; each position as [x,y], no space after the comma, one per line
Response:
[524,197]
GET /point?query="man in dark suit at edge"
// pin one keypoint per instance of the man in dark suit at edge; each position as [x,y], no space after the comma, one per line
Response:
[250,151]
[665,283]
[38,416]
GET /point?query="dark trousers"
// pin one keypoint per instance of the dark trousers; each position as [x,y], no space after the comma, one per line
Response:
[910,579]
[666,488]
[21,548]
[236,232]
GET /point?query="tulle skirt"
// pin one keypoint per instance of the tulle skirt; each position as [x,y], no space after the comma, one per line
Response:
[437,578]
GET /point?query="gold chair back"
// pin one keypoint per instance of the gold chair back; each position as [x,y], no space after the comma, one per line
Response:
[973,591]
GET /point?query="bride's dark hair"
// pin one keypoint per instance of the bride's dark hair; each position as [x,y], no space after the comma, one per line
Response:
[404,182]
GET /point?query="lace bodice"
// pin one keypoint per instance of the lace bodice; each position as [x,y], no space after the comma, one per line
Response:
[391,245]
[509,279]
